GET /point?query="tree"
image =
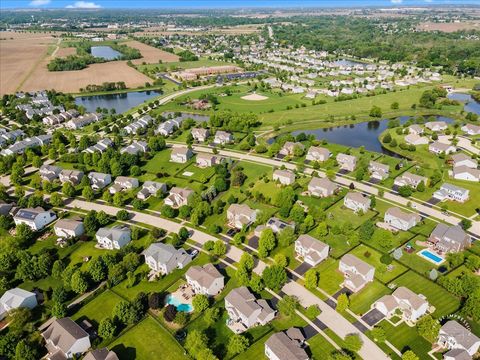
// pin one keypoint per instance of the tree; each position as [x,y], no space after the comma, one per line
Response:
[256,283]
[375,111]
[471,308]
[353,342]
[405,191]
[211,315]
[122,215]
[168,211]
[237,344]
[466,224]
[183,233]
[342,303]
[79,282]
[155,301]
[409,355]
[23,234]
[428,327]
[59,310]
[97,269]
[288,304]
[200,303]
[286,237]
[284,200]
[473,262]
[181,318]
[219,248]
[455,259]
[24,351]
[107,328]
[313,311]
[366,230]
[195,341]
[56,200]
[274,277]
[68,189]
[378,334]
[88,193]
[170,313]
[311,279]
[281,260]
[266,243]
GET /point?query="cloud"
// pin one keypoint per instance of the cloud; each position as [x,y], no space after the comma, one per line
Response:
[39,2]
[83,5]
[396,1]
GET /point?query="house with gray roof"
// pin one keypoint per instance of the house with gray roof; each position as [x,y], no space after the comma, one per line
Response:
[101,354]
[140,124]
[378,170]
[101,146]
[181,154]
[415,129]
[65,339]
[36,218]
[284,177]
[289,147]
[322,187]
[462,159]
[151,188]
[240,215]
[409,179]
[136,147]
[357,272]
[312,251]
[457,354]
[466,173]
[471,129]
[123,183]
[113,238]
[436,125]
[411,305]
[401,220]
[178,197]
[278,225]
[68,228]
[356,202]
[222,138]
[346,162]
[281,346]
[452,336]
[200,134]
[205,280]
[317,153]
[72,176]
[164,258]
[16,298]
[99,180]
[449,238]
[452,192]
[49,172]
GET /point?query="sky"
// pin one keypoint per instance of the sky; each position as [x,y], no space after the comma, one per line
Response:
[169,4]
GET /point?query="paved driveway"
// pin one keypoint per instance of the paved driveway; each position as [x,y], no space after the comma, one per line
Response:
[432,201]
[253,242]
[373,317]
[342,291]
[302,269]
[309,332]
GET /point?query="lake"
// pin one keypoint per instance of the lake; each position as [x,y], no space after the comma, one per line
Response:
[349,63]
[119,102]
[470,104]
[105,52]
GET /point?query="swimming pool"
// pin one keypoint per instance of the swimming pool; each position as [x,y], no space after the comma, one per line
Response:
[172,300]
[431,256]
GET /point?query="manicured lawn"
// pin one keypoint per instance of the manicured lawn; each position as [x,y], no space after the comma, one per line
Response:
[406,338]
[161,163]
[201,175]
[145,341]
[269,190]
[98,308]
[319,347]
[330,277]
[338,214]
[360,302]
[415,262]
[444,302]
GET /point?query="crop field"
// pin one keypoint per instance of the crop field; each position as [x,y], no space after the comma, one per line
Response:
[151,54]
[65,51]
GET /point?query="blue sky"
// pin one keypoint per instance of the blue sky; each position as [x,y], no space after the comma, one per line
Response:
[216,3]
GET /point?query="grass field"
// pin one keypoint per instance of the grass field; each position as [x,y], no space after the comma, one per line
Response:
[338,214]
[406,338]
[99,308]
[360,302]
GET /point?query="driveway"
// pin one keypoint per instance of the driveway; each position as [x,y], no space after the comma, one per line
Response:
[309,332]
[253,242]
[432,201]
[302,269]
[342,291]
[373,317]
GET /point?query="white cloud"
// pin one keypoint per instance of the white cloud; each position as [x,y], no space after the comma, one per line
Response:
[83,5]
[396,1]
[39,2]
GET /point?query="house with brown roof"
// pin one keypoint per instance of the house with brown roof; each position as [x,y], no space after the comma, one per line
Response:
[204,160]
[378,170]
[200,134]
[65,339]
[178,197]
[449,238]
[471,129]
[286,345]
[72,176]
[181,155]
[462,159]
[411,305]
[356,202]
[321,187]
[240,215]
[401,220]
[68,228]
[284,177]
[466,173]
[438,147]
[205,280]
[289,147]
[357,273]
[312,251]
[222,138]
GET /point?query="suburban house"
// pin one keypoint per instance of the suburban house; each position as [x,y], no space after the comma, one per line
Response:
[16,298]
[357,273]
[321,187]
[312,251]
[222,138]
[409,179]
[346,162]
[99,180]
[68,228]
[101,354]
[286,345]
[245,311]
[113,238]
[136,147]
[415,129]
[278,225]
[471,129]
[200,134]
[239,216]
[284,177]
[6,208]
[164,258]
[100,146]
[178,197]
[449,238]
[466,173]
[36,218]
[205,160]
[401,220]
[181,155]
[411,305]
[356,202]
[151,188]
[123,183]
[438,147]
[414,139]
[49,172]
[462,159]
[452,192]
[317,153]
[83,120]
[139,124]
[378,170]
[454,336]
[168,127]
[72,176]
[436,125]
[288,148]
[205,280]
[65,339]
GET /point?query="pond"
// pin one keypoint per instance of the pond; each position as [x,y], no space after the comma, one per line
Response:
[119,102]
[344,62]
[105,52]
[470,104]
[362,134]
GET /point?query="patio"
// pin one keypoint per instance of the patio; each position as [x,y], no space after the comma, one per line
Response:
[184,294]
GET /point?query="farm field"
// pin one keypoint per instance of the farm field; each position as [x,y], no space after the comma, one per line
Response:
[151,54]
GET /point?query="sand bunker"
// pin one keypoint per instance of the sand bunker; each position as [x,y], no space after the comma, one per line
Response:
[254,97]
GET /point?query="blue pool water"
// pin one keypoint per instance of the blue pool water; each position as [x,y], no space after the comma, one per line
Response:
[436,259]
[172,300]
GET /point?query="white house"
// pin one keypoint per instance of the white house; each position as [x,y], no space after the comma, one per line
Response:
[123,183]
[415,129]
[357,273]
[16,298]
[36,218]
[181,155]
[136,147]
[317,153]
[436,125]
[113,238]
[452,192]
[346,162]
[465,173]
[72,176]
[65,339]
[101,354]
[312,251]
[356,202]
[452,335]
[288,345]
[471,129]
[439,147]
[378,170]
[401,220]
[449,238]
[240,215]
[68,228]
[222,138]
[49,172]
[164,258]
[414,139]
[289,147]
[205,280]
[204,160]
[200,134]
[409,179]
[411,305]
[462,159]
[284,177]
[99,180]
[151,188]
[321,187]
[178,197]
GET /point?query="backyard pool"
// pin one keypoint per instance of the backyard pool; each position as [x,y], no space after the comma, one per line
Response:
[172,300]
[431,256]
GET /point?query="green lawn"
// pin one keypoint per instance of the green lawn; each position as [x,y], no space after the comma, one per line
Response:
[406,338]
[338,214]
[415,262]
[98,308]
[330,277]
[320,347]
[360,302]
[201,175]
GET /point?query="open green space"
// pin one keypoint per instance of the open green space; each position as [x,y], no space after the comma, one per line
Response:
[98,308]
[404,338]
[360,302]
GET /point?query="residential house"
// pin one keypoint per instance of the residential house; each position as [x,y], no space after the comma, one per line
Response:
[356,202]
[289,147]
[138,125]
[321,187]
[6,208]
[312,251]
[357,273]
[452,192]
[20,146]
[462,159]
[436,125]
[151,188]
[449,238]
[36,218]
[415,129]
[168,127]
[178,197]
[452,336]
[401,220]
[245,311]
[164,258]
[181,155]
[113,238]
[200,134]
[101,354]
[205,280]
[414,139]
[136,147]
[284,177]
[49,172]
[239,216]
[471,129]
[346,162]
[65,339]
[278,225]
[286,345]
[205,160]
[378,170]
[411,305]
[83,120]
[16,298]
[123,183]
[465,173]
[222,138]
[457,354]
[439,148]
[72,176]
[68,228]
[409,179]
[99,180]
[100,146]
[317,153]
